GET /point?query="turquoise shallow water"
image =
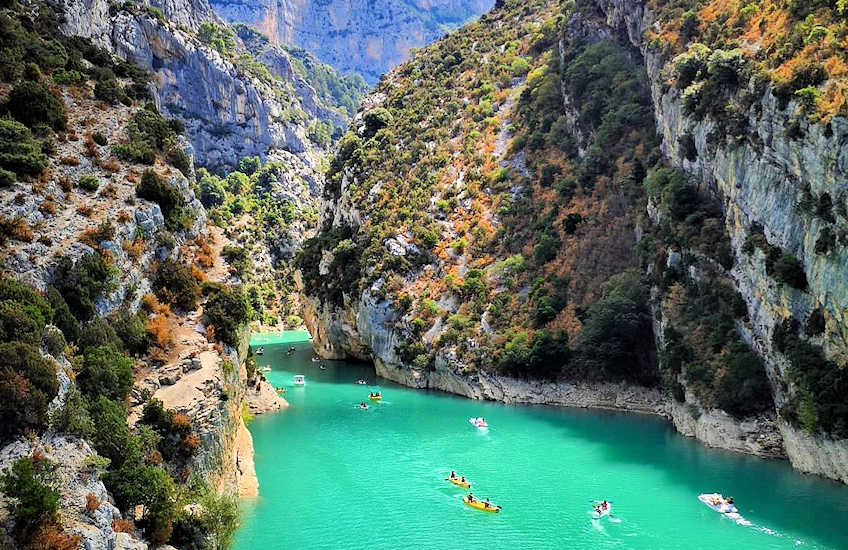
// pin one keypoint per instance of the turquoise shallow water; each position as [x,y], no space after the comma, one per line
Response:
[332,476]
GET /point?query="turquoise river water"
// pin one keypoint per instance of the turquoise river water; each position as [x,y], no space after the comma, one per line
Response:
[336,477]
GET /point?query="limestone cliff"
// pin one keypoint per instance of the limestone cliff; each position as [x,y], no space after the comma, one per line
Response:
[231,105]
[364,37]
[758,186]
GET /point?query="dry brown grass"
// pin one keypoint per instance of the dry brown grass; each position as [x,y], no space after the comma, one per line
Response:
[51,537]
[160,331]
[85,210]
[17,229]
[92,503]
[133,248]
[123,526]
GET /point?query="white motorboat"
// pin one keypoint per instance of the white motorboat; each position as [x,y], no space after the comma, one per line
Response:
[299,380]
[718,503]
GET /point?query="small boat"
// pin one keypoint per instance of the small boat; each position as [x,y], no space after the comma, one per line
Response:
[316,359]
[265,369]
[478,422]
[376,397]
[281,391]
[458,481]
[481,505]
[299,380]
[363,407]
[362,382]
[718,503]
[599,511]
[260,351]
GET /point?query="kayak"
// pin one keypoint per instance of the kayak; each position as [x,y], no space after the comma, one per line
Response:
[718,503]
[604,512]
[458,481]
[480,505]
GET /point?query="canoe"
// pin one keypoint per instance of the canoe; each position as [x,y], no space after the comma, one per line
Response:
[480,505]
[458,481]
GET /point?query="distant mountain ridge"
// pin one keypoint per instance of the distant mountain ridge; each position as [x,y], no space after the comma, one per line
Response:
[367,37]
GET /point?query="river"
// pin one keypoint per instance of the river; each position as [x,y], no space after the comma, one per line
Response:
[336,477]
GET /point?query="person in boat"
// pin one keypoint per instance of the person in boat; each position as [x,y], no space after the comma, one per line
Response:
[452,475]
[729,500]
[486,503]
[462,479]
[470,495]
[604,505]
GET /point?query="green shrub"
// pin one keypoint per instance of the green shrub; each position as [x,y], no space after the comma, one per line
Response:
[135,152]
[33,103]
[218,518]
[112,437]
[27,384]
[175,284]
[11,289]
[131,328]
[616,340]
[18,324]
[212,192]
[99,138]
[19,152]
[249,165]
[62,316]
[73,416]
[220,37]
[53,341]
[69,77]
[106,372]
[109,90]
[228,311]
[7,178]
[179,160]
[743,388]
[789,270]
[33,501]
[82,283]
[96,333]
[89,183]
[154,188]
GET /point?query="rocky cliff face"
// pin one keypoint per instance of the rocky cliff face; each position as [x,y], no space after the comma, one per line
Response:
[365,37]
[231,108]
[761,181]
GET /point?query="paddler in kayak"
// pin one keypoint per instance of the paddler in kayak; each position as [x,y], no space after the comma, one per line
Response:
[452,475]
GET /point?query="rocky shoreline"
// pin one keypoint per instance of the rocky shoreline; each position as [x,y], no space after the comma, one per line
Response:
[758,436]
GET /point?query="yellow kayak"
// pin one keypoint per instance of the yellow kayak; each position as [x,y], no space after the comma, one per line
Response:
[458,481]
[480,505]
[375,397]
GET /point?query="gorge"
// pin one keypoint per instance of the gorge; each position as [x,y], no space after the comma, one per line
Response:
[615,204]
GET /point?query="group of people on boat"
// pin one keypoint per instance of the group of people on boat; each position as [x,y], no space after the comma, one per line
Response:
[291,350]
[460,478]
[375,395]
[485,502]
[260,351]
[601,507]
[479,422]
[363,406]
[716,500]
